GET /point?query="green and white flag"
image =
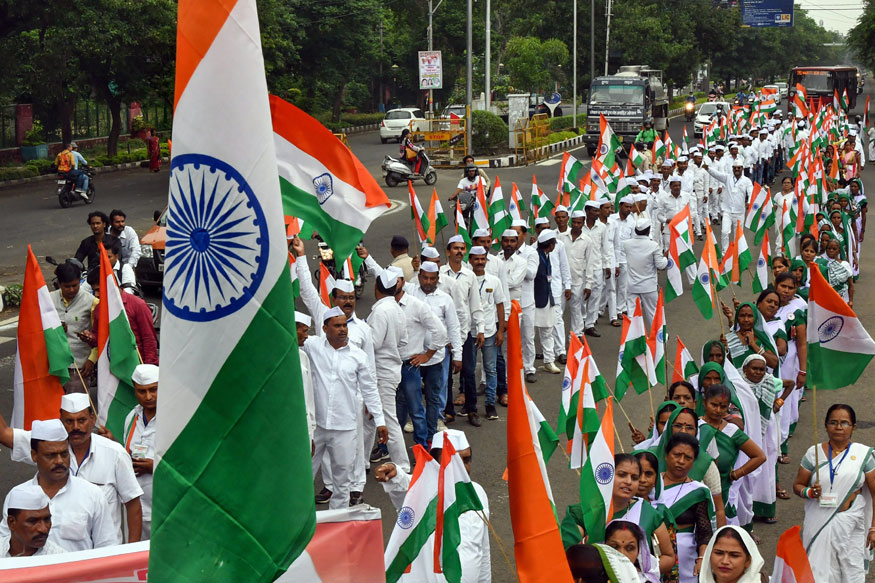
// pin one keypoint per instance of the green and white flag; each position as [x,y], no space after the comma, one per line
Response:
[608,143]
[570,173]
[839,348]
[499,218]
[232,397]
[636,360]
[461,229]
[117,353]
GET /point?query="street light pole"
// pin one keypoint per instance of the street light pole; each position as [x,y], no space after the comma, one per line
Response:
[487,82]
[574,73]
[469,80]
[608,38]
[591,41]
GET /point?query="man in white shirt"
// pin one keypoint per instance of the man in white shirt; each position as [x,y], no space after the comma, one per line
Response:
[95,458]
[29,520]
[302,329]
[595,229]
[139,436]
[342,379]
[688,184]
[735,198]
[620,227]
[764,150]
[644,258]
[492,300]
[470,313]
[560,287]
[527,297]
[580,262]
[668,207]
[79,510]
[128,237]
[434,374]
[473,550]
[390,339]
[701,189]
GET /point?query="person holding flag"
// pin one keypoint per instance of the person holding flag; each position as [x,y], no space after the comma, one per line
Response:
[643,262]
[738,191]
[669,205]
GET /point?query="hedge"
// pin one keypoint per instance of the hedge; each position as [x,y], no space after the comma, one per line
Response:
[556,137]
[16,172]
[566,121]
[349,120]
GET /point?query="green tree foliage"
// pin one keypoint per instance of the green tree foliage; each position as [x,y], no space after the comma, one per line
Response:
[861,38]
[532,64]
[488,132]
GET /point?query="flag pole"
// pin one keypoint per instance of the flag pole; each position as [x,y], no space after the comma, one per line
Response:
[87,392]
[650,394]
[480,514]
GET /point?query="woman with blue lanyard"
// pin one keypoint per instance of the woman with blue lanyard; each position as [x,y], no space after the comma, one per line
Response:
[837,480]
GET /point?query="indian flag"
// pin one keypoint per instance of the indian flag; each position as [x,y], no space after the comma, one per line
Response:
[540,203]
[608,143]
[418,214]
[460,225]
[517,204]
[658,148]
[684,364]
[657,339]
[791,560]
[835,335]
[570,173]
[760,212]
[636,157]
[585,416]
[597,479]
[674,281]
[416,519]
[680,230]
[117,354]
[437,220]
[40,375]
[321,180]
[570,387]
[456,495]
[636,361]
[231,388]
[761,279]
[499,219]
[595,378]
[788,231]
[737,257]
[481,210]
[703,287]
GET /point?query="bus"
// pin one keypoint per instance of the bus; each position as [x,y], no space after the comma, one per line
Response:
[821,82]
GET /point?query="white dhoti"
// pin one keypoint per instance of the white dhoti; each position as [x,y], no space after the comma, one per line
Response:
[576,309]
[559,334]
[527,330]
[545,318]
[595,299]
[648,304]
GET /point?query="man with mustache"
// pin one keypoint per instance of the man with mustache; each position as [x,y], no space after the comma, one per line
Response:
[360,335]
[29,520]
[139,436]
[79,512]
[95,458]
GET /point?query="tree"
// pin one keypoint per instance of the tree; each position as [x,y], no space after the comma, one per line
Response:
[533,64]
[861,38]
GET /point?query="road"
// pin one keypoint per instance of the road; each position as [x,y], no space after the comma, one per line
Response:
[31,215]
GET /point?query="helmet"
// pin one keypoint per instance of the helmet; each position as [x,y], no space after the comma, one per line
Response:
[470,167]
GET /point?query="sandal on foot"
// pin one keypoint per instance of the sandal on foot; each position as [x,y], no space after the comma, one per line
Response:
[782,494]
[784,459]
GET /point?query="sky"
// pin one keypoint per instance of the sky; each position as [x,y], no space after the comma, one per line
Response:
[838,15]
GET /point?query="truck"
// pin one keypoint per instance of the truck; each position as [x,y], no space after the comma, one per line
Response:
[629,98]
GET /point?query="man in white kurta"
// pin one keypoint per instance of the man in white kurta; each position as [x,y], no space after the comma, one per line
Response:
[342,379]
[139,436]
[644,259]
[29,521]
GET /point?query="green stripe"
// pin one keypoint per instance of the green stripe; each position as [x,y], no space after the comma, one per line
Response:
[466,500]
[822,375]
[215,516]
[123,359]
[303,205]
[411,547]
[58,351]
[637,375]
[548,440]
[594,511]
[567,418]
[702,299]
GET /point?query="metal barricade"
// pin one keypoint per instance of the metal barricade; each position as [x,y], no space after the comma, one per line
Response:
[444,139]
[532,136]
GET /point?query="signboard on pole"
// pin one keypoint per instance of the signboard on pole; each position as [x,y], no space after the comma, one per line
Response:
[766,13]
[430,70]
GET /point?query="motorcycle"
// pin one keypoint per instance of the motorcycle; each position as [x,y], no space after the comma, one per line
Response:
[67,194]
[396,171]
[326,257]
[690,110]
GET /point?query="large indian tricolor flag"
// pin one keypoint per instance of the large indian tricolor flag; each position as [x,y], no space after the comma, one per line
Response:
[117,355]
[322,181]
[42,356]
[231,390]
[835,337]
[597,478]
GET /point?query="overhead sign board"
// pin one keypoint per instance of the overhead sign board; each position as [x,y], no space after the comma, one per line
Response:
[766,13]
[430,70]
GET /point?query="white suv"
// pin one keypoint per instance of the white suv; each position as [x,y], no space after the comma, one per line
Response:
[397,120]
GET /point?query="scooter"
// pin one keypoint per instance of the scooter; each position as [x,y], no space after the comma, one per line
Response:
[396,171]
[690,110]
[67,194]
[326,257]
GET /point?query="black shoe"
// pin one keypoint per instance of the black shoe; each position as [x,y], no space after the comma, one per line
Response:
[324,496]
[592,332]
[448,418]
[473,418]
[531,378]
[356,498]
[562,358]
[539,356]
[378,454]
[491,413]
[481,389]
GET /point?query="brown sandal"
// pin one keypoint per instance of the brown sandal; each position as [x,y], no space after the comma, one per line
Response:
[783,459]
[782,494]
[616,323]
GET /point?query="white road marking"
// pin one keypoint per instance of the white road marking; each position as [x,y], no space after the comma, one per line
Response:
[550,162]
[397,205]
[4,340]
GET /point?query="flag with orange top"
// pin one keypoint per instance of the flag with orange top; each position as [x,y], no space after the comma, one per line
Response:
[42,356]
[703,287]
[597,478]
[657,339]
[538,550]
[791,560]
[418,214]
[684,363]
[437,220]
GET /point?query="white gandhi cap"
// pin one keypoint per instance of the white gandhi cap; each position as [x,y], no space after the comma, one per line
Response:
[429,267]
[27,496]
[457,438]
[49,430]
[430,253]
[332,313]
[344,285]
[147,374]
[75,402]
[304,319]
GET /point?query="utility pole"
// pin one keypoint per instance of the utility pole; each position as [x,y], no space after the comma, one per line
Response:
[608,37]
[487,82]
[591,41]
[469,80]
[574,67]
[382,97]
[431,12]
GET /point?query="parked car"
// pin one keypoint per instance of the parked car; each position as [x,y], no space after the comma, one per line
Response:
[150,267]
[399,119]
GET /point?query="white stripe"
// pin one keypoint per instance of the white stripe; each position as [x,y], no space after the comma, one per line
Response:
[108,383]
[535,419]
[234,126]
[17,394]
[48,313]
[849,337]
[346,205]
[417,500]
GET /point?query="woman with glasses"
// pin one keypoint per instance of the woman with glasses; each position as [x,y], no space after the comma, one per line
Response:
[837,480]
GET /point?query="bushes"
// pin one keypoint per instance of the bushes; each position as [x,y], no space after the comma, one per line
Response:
[349,120]
[566,121]
[488,132]
[41,166]
[16,172]
[556,137]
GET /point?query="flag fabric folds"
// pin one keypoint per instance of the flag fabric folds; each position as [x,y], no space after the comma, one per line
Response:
[231,387]
[597,478]
[791,560]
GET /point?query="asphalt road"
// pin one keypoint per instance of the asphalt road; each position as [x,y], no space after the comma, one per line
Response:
[31,215]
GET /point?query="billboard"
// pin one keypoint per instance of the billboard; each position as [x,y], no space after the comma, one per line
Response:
[763,13]
[430,70]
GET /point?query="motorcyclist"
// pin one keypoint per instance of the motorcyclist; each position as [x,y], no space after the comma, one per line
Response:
[410,152]
[469,159]
[647,134]
[82,178]
[690,106]
[712,95]
[466,191]
[691,98]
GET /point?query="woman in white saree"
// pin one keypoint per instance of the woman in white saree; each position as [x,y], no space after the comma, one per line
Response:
[838,530]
